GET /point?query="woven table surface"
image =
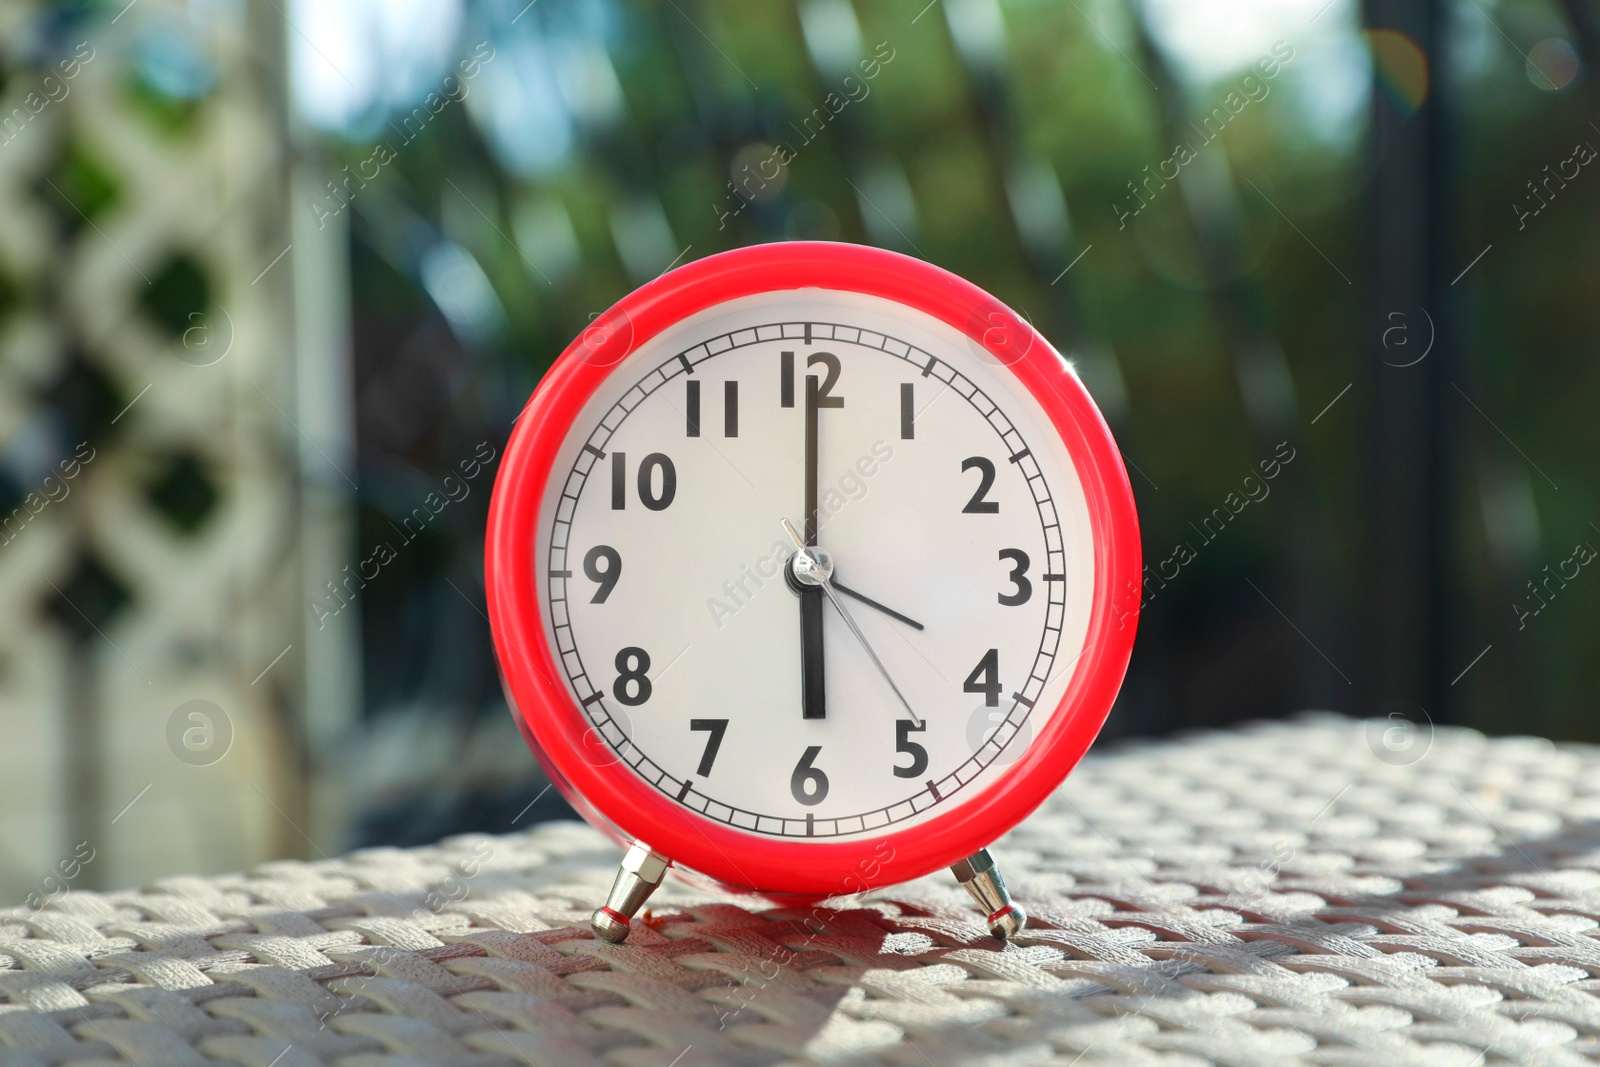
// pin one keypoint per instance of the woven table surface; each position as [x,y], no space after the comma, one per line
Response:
[1320,892]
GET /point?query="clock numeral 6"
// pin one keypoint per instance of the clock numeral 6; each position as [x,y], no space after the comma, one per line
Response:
[985,678]
[1024,588]
[655,461]
[632,663]
[808,784]
[903,744]
[980,504]
[607,576]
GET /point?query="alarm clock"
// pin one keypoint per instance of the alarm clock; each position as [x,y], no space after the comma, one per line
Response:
[811,568]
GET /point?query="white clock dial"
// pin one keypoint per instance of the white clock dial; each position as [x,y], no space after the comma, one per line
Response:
[944,497]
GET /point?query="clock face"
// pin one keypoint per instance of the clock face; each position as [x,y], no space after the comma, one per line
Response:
[909,460]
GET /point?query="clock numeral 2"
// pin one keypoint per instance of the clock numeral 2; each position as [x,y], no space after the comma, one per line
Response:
[979,504]
[808,784]
[985,678]
[716,727]
[632,664]
[655,461]
[903,744]
[1024,588]
[730,408]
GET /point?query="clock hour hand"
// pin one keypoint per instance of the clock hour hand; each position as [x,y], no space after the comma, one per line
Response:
[812,567]
[869,602]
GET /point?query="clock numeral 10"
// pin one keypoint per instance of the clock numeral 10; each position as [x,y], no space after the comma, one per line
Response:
[808,784]
[654,462]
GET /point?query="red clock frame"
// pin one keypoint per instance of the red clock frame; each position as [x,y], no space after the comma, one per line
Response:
[607,792]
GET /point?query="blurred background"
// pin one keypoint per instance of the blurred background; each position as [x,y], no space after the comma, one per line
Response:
[271,269]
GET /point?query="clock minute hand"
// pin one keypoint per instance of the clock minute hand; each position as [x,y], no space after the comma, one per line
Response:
[811,569]
[813,678]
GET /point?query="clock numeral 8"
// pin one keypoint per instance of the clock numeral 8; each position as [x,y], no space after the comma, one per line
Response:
[632,675]
[808,784]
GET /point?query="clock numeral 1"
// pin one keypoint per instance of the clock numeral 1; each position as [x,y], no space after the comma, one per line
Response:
[985,678]
[655,462]
[808,784]
[903,744]
[1024,588]
[632,686]
[716,728]
[908,411]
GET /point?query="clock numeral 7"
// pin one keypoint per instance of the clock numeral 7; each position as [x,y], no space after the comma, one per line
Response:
[808,784]
[903,744]
[985,678]
[653,463]
[716,727]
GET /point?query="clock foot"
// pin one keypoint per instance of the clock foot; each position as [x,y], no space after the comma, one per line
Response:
[982,879]
[641,872]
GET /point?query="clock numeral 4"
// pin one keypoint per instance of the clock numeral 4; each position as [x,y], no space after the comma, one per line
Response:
[632,686]
[606,576]
[808,784]
[980,504]
[655,463]
[905,746]
[716,728]
[985,678]
[1019,577]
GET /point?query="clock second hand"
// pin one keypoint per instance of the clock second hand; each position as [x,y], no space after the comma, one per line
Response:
[818,577]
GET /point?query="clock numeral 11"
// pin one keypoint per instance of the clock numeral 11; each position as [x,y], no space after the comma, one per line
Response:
[730,408]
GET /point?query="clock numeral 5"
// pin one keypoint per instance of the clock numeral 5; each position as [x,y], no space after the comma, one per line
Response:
[716,727]
[654,462]
[808,784]
[985,678]
[903,744]
[632,664]
[980,504]
[607,576]
[1024,588]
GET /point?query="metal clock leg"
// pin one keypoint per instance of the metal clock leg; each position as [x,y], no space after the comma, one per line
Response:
[982,878]
[637,878]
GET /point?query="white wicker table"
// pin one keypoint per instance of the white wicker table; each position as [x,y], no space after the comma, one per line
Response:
[1279,894]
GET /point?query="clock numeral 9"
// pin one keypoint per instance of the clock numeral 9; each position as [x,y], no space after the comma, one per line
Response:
[903,744]
[808,784]
[980,504]
[985,678]
[632,663]
[607,576]
[655,461]
[1024,588]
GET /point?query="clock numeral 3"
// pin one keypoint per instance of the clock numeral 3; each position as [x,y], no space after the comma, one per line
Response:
[808,784]
[1024,588]
[716,727]
[985,678]
[903,744]
[653,463]
[979,504]
[632,665]
[607,576]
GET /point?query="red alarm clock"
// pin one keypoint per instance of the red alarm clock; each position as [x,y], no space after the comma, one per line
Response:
[812,568]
